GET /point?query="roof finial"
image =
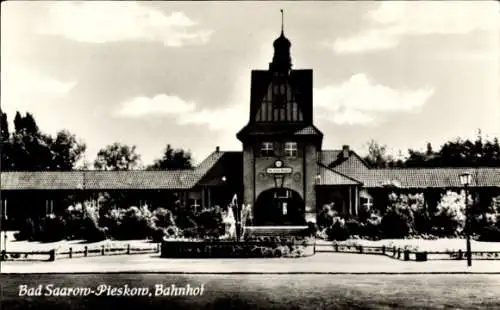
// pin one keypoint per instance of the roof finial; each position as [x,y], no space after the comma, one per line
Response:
[282,22]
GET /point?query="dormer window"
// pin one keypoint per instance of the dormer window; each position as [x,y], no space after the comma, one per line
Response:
[267,149]
[291,149]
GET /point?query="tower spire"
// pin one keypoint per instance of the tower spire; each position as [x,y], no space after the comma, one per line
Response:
[282,22]
[281,60]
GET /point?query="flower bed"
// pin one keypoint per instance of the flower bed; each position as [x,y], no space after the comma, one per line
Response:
[268,247]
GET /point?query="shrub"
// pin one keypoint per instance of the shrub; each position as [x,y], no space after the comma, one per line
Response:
[172,231]
[354,227]
[312,228]
[53,228]
[398,221]
[373,227]
[325,217]
[27,231]
[422,220]
[337,231]
[90,228]
[112,220]
[158,234]
[394,225]
[210,223]
[136,223]
[450,216]
[163,217]
[491,234]
[190,232]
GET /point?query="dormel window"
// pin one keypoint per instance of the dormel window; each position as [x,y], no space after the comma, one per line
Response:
[267,149]
[291,149]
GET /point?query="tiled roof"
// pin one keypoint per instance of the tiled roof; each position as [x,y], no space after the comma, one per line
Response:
[326,157]
[427,177]
[96,180]
[309,130]
[266,129]
[352,164]
[348,172]
[329,177]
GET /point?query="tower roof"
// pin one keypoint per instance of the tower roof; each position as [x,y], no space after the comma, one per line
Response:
[281,59]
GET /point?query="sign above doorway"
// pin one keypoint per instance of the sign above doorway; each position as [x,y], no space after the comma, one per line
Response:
[278,168]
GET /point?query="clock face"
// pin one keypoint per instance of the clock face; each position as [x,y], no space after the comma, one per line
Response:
[278,164]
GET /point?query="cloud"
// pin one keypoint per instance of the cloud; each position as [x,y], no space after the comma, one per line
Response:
[101,22]
[360,101]
[22,87]
[158,105]
[392,20]
[184,112]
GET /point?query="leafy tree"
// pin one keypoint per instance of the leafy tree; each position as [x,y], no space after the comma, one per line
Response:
[379,158]
[66,150]
[117,157]
[173,159]
[454,153]
[5,145]
[32,150]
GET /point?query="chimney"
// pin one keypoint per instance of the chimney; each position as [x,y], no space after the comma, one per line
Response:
[217,149]
[345,151]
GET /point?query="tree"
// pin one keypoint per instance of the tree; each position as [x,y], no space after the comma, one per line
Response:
[378,158]
[5,145]
[117,157]
[67,150]
[32,150]
[173,159]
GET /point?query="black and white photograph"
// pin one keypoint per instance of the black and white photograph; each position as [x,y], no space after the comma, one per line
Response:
[250,155]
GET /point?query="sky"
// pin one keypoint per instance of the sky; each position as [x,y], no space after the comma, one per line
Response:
[156,73]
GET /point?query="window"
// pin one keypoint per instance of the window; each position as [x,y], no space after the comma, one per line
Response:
[279,98]
[267,149]
[366,203]
[195,204]
[291,149]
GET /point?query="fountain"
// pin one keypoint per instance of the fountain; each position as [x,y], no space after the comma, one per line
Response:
[241,241]
[230,224]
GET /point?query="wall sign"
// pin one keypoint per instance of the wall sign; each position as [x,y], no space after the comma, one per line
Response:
[278,168]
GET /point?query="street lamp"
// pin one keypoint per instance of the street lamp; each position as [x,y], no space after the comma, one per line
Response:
[465,180]
[4,224]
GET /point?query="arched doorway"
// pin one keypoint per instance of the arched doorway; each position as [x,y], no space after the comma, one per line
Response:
[279,206]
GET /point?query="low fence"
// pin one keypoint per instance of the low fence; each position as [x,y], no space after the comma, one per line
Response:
[53,254]
[407,254]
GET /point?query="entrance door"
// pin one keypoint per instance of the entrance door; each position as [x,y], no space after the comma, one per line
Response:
[279,207]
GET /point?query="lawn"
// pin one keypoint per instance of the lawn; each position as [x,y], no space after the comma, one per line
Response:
[452,244]
[64,245]
[269,291]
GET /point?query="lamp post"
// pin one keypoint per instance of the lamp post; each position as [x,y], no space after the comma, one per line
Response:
[465,180]
[4,224]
